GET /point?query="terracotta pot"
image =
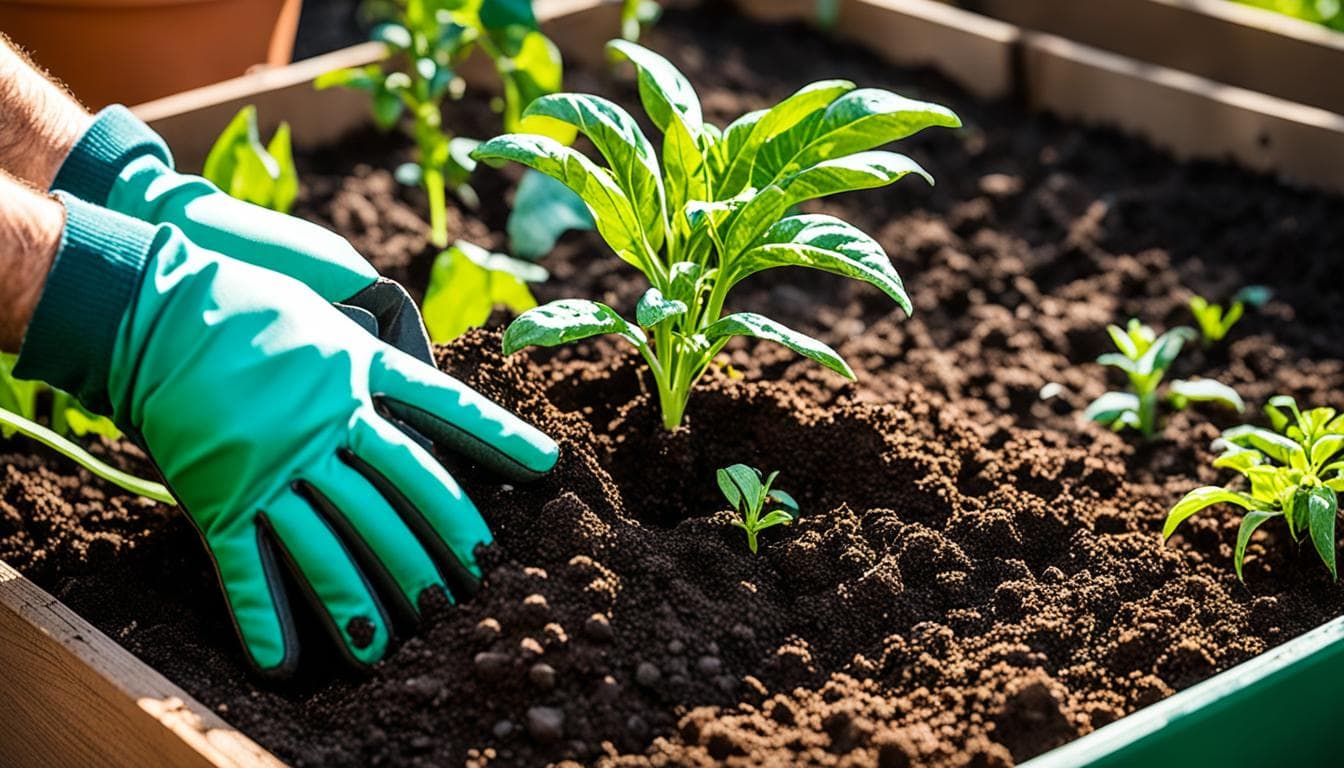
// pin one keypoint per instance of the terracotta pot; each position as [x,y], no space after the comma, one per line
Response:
[132,51]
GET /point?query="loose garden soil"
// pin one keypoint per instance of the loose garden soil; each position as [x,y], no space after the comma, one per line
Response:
[977,576]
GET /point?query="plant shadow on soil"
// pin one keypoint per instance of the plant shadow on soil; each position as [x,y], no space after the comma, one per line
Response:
[976,577]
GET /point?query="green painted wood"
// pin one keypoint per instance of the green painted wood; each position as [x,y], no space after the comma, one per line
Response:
[1284,707]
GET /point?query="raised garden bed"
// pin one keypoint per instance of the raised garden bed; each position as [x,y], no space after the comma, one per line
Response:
[977,577]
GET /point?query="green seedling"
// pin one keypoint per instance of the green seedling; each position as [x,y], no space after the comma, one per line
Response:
[262,174]
[1145,358]
[637,16]
[428,41]
[18,414]
[710,210]
[749,496]
[1327,13]
[467,282]
[1214,323]
[1295,472]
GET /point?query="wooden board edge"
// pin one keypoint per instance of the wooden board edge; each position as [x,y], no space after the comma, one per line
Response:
[63,670]
[1223,41]
[1189,115]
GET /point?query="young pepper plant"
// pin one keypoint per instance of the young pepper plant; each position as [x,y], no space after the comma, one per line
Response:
[18,415]
[467,282]
[1214,323]
[1145,356]
[428,41]
[710,210]
[262,174]
[1295,472]
[742,486]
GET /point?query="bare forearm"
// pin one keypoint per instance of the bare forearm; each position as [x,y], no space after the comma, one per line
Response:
[30,233]
[39,120]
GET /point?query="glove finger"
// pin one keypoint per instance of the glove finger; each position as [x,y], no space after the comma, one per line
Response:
[397,319]
[327,574]
[390,555]
[430,501]
[249,574]
[458,417]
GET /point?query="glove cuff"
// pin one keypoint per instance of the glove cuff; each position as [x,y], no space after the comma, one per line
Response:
[115,138]
[94,277]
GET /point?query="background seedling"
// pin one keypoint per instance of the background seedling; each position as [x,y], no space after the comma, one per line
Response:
[1295,472]
[709,210]
[637,16]
[243,167]
[428,41]
[467,282]
[749,496]
[19,413]
[1214,322]
[1145,357]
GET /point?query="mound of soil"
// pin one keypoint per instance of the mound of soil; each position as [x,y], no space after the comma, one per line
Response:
[977,576]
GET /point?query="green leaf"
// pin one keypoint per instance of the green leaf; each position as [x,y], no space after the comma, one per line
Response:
[1253,519]
[1202,498]
[863,170]
[74,452]
[1110,406]
[387,107]
[743,479]
[1272,444]
[364,78]
[1163,352]
[535,71]
[1117,360]
[684,168]
[1322,507]
[1206,391]
[761,327]
[467,282]
[1275,410]
[561,322]
[746,135]
[823,242]
[856,121]
[654,308]
[628,152]
[1122,342]
[1254,295]
[392,34]
[666,93]
[1238,458]
[785,500]
[684,280]
[615,218]
[775,517]
[1325,449]
[544,209]
[239,141]
[286,186]
[730,490]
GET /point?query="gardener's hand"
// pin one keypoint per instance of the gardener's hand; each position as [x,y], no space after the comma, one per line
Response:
[120,163]
[274,420]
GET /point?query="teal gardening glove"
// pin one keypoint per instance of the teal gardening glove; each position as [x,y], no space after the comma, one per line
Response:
[274,420]
[121,164]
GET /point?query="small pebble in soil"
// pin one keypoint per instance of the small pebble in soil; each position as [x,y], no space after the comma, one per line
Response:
[647,674]
[742,632]
[491,666]
[542,675]
[502,729]
[536,611]
[423,689]
[487,631]
[530,648]
[598,628]
[555,634]
[360,631]
[422,744]
[608,690]
[675,647]
[546,724]
[709,666]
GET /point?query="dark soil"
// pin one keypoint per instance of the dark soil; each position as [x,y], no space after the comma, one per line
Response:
[977,576]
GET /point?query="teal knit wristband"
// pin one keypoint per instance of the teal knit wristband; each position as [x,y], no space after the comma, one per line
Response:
[115,138]
[93,280]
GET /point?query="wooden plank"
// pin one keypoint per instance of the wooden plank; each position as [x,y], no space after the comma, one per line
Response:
[975,51]
[1190,115]
[1223,41]
[72,696]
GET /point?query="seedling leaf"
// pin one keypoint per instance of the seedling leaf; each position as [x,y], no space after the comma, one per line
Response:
[561,322]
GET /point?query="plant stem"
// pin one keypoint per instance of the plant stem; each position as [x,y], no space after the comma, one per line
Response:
[432,178]
[129,482]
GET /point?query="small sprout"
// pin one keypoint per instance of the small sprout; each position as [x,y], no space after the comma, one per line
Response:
[1145,357]
[467,282]
[1295,472]
[713,208]
[430,40]
[637,16]
[1214,323]
[242,166]
[749,496]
